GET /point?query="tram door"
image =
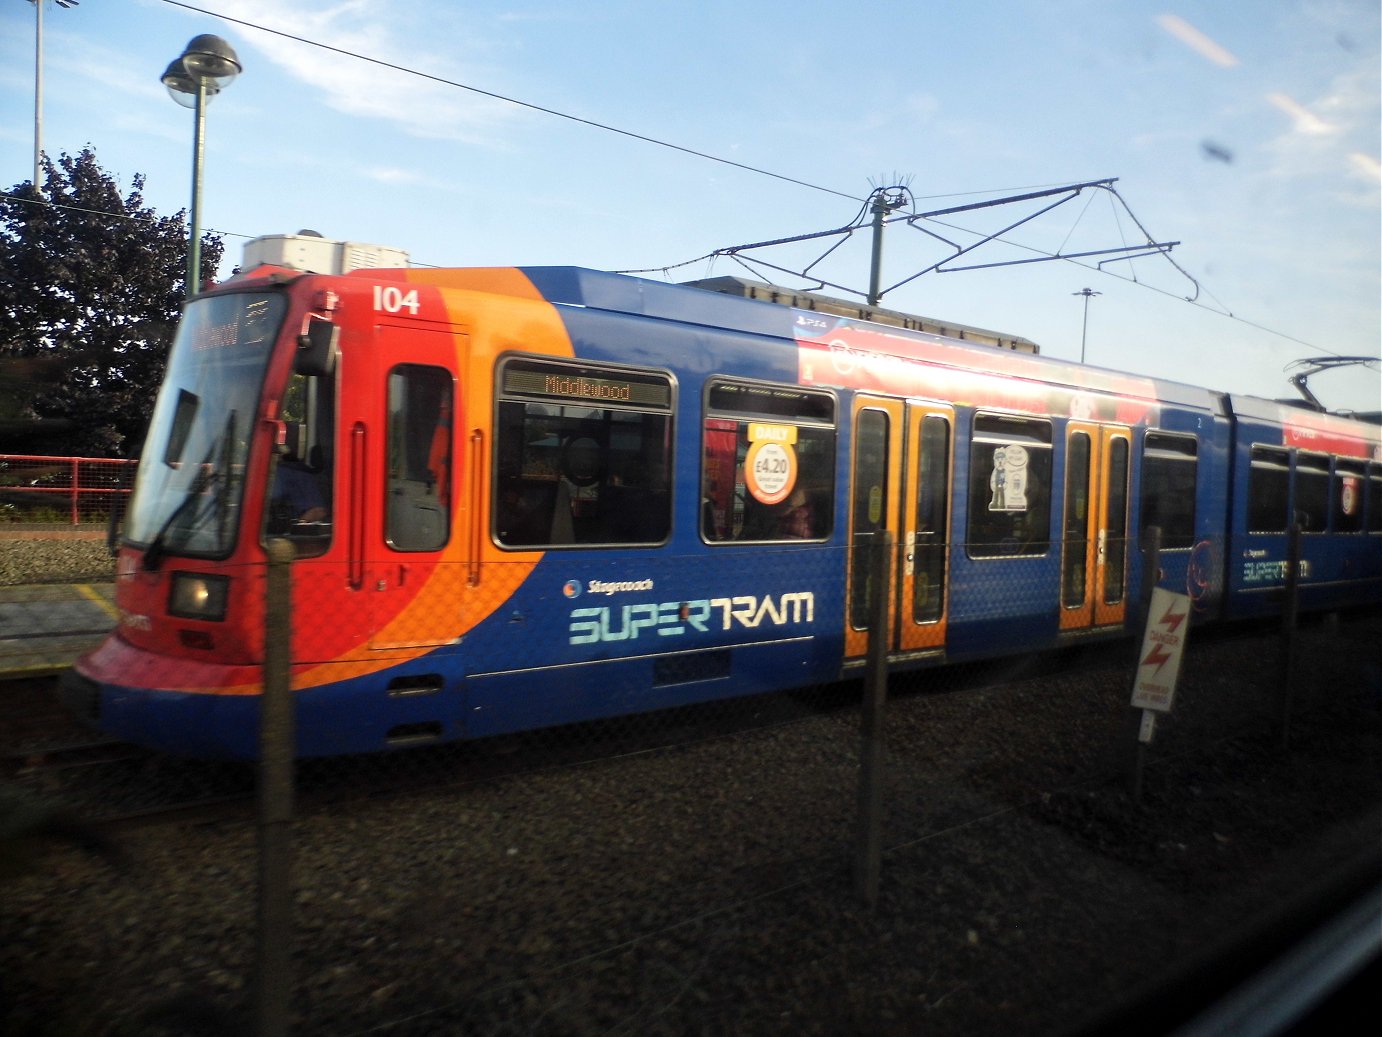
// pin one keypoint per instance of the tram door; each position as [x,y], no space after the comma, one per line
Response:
[900,482]
[405,463]
[1094,543]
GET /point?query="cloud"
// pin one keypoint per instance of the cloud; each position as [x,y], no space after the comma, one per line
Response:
[396,176]
[1196,40]
[1366,167]
[387,87]
[106,71]
[924,106]
[1305,121]
[1333,136]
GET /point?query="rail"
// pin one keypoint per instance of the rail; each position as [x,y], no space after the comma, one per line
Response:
[38,489]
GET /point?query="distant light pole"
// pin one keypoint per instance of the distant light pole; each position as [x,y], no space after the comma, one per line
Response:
[38,88]
[206,67]
[1084,329]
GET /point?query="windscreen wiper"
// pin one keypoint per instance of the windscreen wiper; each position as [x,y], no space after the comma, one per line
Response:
[207,477]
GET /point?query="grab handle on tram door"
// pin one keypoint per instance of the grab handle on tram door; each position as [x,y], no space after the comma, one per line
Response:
[355,537]
[476,488]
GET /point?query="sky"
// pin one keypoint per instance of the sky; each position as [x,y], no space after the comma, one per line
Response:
[640,135]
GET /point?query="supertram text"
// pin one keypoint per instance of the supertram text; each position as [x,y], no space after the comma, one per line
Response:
[674,618]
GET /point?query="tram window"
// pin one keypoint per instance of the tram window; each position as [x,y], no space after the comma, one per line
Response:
[1009,487]
[1169,475]
[870,506]
[300,504]
[584,456]
[183,416]
[931,520]
[768,463]
[1116,540]
[417,516]
[1312,492]
[1073,575]
[1269,484]
[1350,478]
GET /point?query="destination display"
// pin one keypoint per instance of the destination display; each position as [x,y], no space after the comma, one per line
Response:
[559,382]
[217,324]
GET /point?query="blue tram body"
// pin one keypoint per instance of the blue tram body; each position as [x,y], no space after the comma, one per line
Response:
[555,495]
[1291,467]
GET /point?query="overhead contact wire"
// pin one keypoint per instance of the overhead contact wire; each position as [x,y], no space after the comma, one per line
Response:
[515,101]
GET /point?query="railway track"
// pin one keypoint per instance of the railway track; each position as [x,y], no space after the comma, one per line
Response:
[55,757]
[96,777]
[109,780]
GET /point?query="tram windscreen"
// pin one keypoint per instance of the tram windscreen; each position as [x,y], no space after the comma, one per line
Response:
[188,494]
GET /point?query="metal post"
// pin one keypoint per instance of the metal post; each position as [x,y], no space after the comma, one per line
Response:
[194,242]
[273,986]
[1139,723]
[1151,573]
[38,96]
[1084,326]
[869,848]
[880,209]
[205,68]
[1290,607]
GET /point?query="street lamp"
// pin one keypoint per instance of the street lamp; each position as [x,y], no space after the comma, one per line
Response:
[206,67]
[38,88]
[1084,329]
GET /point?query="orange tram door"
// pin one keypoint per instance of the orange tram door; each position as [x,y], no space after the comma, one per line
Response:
[901,480]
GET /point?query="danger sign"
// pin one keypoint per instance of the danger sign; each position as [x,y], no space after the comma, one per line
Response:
[1158,667]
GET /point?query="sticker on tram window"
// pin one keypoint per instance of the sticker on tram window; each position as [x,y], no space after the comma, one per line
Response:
[1349,495]
[1008,480]
[770,469]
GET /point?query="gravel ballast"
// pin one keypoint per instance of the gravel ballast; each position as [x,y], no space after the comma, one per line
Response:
[54,558]
[707,887]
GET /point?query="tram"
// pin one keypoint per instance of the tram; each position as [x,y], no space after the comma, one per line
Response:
[525,497]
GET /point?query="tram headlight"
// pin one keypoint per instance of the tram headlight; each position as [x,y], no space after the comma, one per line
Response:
[198,596]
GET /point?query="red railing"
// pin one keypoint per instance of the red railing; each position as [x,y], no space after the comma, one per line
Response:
[62,490]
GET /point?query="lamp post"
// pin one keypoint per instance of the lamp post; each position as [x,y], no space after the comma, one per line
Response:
[206,67]
[1084,328]
[38,88]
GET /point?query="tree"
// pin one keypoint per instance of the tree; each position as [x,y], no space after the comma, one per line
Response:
[96,281]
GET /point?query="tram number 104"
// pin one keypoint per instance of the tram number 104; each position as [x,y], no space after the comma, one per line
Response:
[389,298]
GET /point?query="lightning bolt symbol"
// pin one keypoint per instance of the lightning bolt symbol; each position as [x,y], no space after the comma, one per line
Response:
[1172,620]
[1158,655]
